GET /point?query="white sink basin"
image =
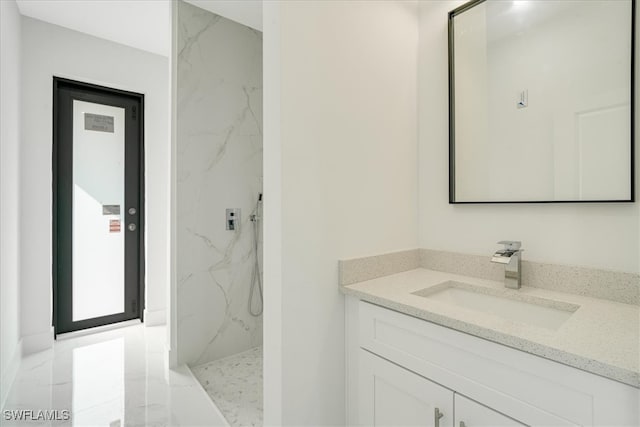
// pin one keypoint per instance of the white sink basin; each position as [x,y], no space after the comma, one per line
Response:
[507,304]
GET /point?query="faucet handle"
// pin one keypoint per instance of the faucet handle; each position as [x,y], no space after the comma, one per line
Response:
[511,245]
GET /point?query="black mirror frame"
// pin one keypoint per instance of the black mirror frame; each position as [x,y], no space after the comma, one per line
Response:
[452,194]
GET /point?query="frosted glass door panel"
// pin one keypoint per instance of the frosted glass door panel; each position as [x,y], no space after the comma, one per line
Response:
[98,210]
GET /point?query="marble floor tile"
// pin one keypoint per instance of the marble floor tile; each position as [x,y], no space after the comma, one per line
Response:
[235,385]
[112,378]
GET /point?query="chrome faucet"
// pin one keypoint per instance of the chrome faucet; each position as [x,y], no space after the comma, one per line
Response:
[510,257]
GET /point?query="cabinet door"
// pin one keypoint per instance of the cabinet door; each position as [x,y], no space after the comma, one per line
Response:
[471,414]
[393,396]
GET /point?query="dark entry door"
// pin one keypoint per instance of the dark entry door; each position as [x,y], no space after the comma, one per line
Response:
[97,205]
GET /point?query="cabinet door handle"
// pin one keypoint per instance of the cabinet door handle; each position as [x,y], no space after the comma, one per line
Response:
[462,424]
[436,417]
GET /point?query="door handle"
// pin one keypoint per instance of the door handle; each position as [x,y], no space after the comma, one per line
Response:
[436,417]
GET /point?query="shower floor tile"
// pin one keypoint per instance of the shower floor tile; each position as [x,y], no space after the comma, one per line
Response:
[235,386]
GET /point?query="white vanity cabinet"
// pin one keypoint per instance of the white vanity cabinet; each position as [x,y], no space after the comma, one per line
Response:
[393,396]
[401,368]
[472,414]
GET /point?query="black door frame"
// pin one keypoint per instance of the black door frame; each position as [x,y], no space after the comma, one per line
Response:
[60,324]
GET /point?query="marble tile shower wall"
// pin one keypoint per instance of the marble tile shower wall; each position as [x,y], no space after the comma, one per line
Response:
[219,166]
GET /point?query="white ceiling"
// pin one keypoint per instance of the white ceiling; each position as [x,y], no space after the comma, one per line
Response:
[142,24]
[246,12]
[137,23]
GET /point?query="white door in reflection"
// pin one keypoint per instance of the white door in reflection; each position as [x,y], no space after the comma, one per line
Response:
[98,210]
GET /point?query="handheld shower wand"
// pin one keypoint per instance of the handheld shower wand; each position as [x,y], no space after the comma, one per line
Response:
[255,276]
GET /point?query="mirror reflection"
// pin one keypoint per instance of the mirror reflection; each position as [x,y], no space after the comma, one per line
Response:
[541,101]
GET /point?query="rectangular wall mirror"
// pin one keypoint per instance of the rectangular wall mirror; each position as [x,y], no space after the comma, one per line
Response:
[541,101]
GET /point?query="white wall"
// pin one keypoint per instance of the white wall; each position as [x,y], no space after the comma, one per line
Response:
[48,51]
[245,12]
[347,105]
[594,235]
[272,167]
[9,194]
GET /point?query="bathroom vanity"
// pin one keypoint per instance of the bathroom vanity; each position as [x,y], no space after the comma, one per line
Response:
[422,349]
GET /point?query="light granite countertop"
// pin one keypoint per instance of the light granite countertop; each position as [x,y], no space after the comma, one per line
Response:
[601,337]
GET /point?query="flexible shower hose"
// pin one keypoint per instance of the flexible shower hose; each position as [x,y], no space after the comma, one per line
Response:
[255,276]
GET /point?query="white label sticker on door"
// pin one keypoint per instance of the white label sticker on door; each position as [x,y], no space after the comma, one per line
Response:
[98,122]
[110,209]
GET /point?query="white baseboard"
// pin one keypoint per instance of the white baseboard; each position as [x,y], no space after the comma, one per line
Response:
[9,375]
[155,317]
[171,357]
[37,342]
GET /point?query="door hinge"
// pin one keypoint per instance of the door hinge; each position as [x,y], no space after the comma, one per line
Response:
[134,113]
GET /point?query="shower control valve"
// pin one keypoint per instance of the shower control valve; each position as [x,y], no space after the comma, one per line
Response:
[233,218]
